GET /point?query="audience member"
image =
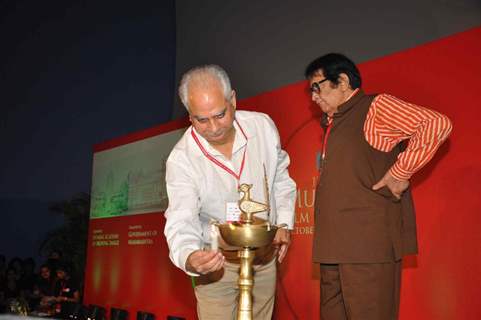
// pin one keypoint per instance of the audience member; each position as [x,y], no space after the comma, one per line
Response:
[66,290]
[28,279]
[44,285]
[54,259]
[53,291]
[43,297]
[9,289]
[17,265]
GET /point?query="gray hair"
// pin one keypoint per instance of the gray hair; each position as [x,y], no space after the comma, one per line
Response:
[204,75]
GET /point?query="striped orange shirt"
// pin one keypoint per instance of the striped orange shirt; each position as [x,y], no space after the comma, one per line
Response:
[391,120]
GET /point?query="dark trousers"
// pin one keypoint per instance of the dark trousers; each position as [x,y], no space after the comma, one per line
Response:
[360,291]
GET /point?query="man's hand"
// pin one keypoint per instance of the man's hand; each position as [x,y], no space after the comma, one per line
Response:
[282,240]
[204,262]
[397,187]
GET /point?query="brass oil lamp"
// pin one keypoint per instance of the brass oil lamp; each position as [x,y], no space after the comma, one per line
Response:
[249,233]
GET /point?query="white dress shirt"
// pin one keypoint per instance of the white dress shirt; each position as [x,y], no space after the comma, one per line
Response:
[199,190]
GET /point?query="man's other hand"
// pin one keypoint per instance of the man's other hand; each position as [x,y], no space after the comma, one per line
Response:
[397,187]
[282,240]
[204,261]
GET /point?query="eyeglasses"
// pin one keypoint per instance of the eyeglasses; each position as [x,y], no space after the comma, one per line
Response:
[315,86]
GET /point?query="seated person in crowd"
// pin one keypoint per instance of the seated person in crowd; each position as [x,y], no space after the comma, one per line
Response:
[9,289]
[29,277]
[27,282]
[43,289]
[45,282]
[54,258]
[66,290]
[17,265]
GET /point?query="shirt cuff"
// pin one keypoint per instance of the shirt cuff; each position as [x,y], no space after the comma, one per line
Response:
[286,217]
[184,254]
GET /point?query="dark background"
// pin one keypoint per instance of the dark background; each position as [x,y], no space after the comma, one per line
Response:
[266,44]
[72,74]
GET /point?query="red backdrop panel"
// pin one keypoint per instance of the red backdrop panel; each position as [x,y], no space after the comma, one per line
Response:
[442,282]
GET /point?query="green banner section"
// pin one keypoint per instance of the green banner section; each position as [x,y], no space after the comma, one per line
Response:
[130,179]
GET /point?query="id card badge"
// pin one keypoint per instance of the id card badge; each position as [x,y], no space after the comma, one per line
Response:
[232,212]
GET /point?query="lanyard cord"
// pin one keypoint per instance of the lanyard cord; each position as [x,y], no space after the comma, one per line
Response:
[217,162]
[324,144]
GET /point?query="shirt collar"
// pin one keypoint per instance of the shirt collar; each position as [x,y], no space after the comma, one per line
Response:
[354,98]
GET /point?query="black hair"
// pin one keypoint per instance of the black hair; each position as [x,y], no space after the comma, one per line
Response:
[332,65]
[65,267]
[45,265]
[15,260]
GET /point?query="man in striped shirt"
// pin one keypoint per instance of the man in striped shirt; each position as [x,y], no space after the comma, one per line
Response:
[364,216]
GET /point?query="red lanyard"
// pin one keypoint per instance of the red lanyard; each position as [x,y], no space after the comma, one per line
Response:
[217,162]
[324,144]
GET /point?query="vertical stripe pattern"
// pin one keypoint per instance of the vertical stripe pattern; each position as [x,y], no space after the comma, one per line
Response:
[391,120]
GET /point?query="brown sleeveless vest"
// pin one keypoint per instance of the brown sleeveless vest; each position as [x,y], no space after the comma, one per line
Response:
[353,223]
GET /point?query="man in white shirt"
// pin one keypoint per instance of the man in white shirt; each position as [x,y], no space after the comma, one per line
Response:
[221,150]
